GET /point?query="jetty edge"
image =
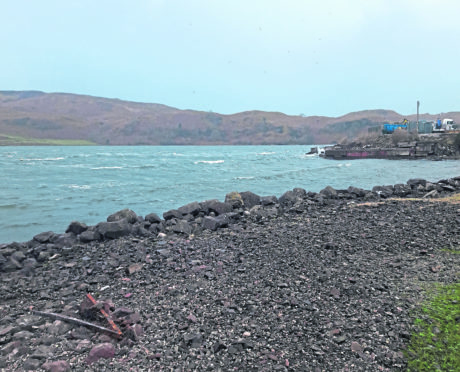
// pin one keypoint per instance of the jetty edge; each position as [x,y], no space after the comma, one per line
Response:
[439,146]
[306,281]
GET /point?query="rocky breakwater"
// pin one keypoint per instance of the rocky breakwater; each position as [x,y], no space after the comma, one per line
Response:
[304,281]
[431,147]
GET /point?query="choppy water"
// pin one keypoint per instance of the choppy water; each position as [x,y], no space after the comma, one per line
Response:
[45,188]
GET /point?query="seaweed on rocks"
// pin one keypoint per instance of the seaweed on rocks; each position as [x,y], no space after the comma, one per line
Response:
[308,281]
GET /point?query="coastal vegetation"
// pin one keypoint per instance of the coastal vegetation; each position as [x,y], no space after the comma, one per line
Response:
[8,140]
[435,345]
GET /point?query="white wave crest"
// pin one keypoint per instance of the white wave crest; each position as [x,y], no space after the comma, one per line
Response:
[96,168]
[208,162]
[41,159]
[80,187]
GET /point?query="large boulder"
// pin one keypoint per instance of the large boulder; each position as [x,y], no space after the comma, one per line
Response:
[250,199]
[234,198]
[153,218]
[182,227]
[288,198]
[329,192]
[192,208]
[89,236]
[124,214]
[384,191]
[401,189]
[64,240]
[113,230]
[223,220]
[268,200]
[300,193]
[43,237]
[414,182]
[173,213]
[264,212]
[358,192]
[218,207]
[76,227]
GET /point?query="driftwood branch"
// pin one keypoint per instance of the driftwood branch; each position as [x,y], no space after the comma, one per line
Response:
[78,322]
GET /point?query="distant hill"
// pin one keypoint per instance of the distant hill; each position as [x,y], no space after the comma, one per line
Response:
[28,117]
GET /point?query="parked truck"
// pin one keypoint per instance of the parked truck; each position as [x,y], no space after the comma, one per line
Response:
[444,125]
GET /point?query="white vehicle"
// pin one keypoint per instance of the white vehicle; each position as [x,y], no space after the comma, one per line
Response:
[443,126]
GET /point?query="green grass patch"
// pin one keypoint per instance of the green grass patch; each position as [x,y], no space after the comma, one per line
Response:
[451,250]
[8,140]
[435,344]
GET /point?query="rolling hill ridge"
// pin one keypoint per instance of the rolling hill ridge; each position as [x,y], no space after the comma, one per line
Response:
[36,116]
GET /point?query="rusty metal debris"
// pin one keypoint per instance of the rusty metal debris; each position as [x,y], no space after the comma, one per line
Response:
[115,331]
[79,322]
[115,328]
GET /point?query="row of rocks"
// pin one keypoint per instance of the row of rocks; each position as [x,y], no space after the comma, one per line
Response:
[195,217]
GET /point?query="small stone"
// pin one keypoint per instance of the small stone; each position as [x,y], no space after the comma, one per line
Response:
[335,292]
[134,268]
[23,335]
[355,347]
[218,346]
[6,330]
[31,364]
[105,350]
[56,366]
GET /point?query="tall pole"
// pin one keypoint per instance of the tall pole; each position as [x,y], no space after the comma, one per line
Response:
[418,105]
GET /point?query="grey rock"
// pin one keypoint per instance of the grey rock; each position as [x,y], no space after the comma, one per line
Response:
[105,350]
[64,240]
[182,227]
[76,228]
[153,218]
[18,256]
[356,191]
[268,200]
[288,198]
[89,236]
[57,366]
[219,208]
[31,364]
[192,208]
[124,214]
[401,190]
[413,182]
[384,191]
[234,198]
[11,265]
[329,192]
[173,213]
[250,199]
[113,230]
[43,237]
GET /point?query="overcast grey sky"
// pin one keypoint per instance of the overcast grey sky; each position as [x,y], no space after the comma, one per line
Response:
[325,57]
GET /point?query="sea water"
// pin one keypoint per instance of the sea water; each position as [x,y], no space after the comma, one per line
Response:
[45,188]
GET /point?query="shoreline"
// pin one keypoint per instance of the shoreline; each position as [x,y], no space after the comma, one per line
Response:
[213,214]
[306,281]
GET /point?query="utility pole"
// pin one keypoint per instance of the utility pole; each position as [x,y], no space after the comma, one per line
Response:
[418,105]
